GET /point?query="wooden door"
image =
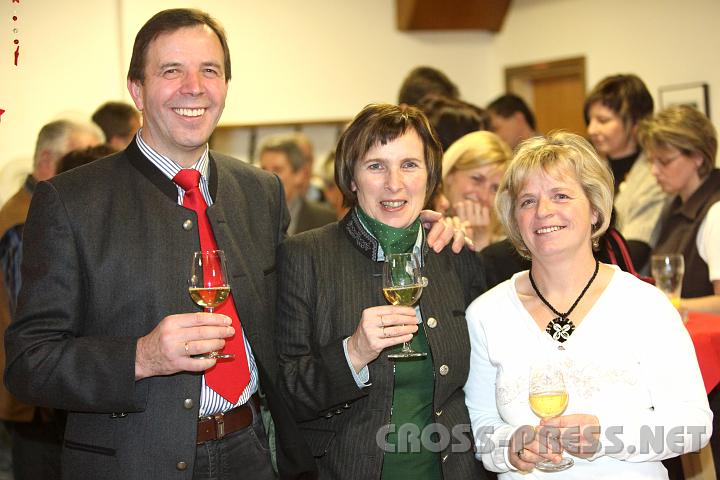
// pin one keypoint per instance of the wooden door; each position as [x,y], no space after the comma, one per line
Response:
[555,91]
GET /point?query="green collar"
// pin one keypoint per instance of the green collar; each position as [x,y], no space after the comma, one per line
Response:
[391,239]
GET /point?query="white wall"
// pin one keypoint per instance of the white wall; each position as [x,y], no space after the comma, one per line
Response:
[665,42]
[321,59]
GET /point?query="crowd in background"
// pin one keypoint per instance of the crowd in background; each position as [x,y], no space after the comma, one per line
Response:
[646,183]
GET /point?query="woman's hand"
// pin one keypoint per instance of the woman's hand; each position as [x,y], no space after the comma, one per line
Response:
[528,448]
[475,218]
[579,434]
[443,231]
[380,327]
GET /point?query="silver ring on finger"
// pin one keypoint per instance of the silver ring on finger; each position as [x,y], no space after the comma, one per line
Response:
[187,349]
[520,452]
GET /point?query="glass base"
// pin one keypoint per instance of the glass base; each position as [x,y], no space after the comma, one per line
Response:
[215,355]
[548,466]
[406,354]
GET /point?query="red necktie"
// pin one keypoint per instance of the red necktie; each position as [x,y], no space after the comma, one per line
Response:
[230,377]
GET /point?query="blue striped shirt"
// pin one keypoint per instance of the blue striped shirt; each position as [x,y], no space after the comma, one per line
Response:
[211,402]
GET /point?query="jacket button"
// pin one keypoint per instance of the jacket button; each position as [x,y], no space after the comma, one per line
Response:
[432,322]
[338,411]
[187,225]
[188,403]
[438,413]
[328,415]
[181,466]
[347,405]
[444,369]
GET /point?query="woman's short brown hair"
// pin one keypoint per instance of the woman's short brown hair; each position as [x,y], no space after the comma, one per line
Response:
[626,95]
[685,129]
[380,124]
[557,152]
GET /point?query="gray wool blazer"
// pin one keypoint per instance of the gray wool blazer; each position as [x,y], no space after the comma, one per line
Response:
[107,255]
[327,277]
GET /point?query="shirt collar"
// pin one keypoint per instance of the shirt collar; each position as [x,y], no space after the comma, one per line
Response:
[167,166]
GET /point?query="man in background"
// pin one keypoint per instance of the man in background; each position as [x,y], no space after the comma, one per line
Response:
[422,81]
[36,433]
[511,119]
[119,122]
[283,156]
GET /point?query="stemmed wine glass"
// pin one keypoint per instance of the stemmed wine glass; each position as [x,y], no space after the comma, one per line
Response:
[548,398]
[668,271]
[208,286]
[403,285]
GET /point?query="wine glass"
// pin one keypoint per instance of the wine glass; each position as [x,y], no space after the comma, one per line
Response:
[403,285]
[548,398]
[208,286]
[668,271]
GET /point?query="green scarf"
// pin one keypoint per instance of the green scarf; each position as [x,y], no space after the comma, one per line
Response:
[392,240]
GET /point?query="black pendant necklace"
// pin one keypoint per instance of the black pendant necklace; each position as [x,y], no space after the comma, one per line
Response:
[562,327]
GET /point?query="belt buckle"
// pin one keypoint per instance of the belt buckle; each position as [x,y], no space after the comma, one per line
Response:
[220,424]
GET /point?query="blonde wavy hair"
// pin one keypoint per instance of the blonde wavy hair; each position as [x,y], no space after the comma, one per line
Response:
[560,153]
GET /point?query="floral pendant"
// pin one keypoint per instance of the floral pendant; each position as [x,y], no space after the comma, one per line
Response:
[560,328]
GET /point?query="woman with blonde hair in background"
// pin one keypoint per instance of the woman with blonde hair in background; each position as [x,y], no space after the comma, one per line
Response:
[473,167]
[681,145]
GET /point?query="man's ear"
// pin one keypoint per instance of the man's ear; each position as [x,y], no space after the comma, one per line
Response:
[135,88]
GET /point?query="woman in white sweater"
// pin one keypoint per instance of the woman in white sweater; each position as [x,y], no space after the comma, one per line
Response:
[634,387]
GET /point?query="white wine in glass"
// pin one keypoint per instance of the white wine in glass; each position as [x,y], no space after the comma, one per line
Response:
[548,398]
[403,285]
[208,286]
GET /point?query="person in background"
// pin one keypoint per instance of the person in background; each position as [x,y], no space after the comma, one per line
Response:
[76,158]
[627,361]
[422,81]
[282,155]
[681,145]
[332,193]
[511,119]
[119,121]
[452,118]
[335,329]
[473,167]
[613,111]
[36,433]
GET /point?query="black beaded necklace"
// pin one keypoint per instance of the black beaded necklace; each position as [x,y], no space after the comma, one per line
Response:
[562,327]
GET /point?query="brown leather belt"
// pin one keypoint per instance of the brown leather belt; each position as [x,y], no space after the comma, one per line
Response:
[217,426]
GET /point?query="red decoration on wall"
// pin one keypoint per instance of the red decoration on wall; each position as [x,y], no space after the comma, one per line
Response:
[15,1]
[17,54]
[1,112]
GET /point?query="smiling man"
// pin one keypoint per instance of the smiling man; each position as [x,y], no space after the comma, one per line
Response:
[105,327]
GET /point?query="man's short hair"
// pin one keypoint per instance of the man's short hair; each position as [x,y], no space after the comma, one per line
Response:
[287,144]
[114,118]
[423,80]
[506,105]
[169,21]
[452,118]
[76,158]
[55,135]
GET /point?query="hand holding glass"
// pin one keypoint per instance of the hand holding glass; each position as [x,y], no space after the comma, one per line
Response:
[208,286]
[548,398]
[403,285]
